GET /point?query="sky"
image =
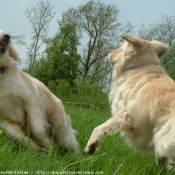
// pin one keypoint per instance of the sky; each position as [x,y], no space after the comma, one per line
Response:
[13,19]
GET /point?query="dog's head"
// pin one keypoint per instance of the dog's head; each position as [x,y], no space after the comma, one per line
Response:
[136,52]
[6,47]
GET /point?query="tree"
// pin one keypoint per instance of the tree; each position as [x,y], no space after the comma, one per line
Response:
[101,31]
[60,59]
[164,31]
[17,39]
[39,16]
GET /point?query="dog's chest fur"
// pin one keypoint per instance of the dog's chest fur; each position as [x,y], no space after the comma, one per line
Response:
[12,104]
[11,108]
[132,92]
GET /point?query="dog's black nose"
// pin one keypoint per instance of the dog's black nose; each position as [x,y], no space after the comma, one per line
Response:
[6,39]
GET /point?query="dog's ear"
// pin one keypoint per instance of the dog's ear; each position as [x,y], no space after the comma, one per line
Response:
[138,43]
[160,48]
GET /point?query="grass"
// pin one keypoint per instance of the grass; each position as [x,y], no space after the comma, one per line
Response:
[112,158]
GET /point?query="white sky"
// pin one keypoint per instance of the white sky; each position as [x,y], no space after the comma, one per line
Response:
[12,14]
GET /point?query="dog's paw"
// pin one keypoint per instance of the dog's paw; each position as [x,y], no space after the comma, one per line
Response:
[91,147]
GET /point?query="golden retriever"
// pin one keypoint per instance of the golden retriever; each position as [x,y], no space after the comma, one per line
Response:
[142,100]
[27,107]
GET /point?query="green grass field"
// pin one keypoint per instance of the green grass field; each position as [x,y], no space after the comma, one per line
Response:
[112,158]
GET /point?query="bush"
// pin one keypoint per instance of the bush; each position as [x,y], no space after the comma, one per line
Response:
[60,88]
[83,92]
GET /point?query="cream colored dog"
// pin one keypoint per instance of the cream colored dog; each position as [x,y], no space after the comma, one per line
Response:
[28,107]
[142,100]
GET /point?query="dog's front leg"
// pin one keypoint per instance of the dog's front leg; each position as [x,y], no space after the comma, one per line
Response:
[14,130]
[120,121]
[38,126]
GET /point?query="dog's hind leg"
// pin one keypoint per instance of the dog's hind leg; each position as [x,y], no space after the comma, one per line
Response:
[164,144]
[38,126]
[14,130]
[162,163]
[120,121]
[64,135]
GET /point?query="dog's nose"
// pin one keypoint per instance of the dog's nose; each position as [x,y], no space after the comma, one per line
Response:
[6,39]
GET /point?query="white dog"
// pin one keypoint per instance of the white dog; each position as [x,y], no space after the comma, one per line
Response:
[27,107]
[142,100]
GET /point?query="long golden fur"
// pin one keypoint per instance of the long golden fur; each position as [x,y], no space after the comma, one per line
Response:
[142,100]
[28,107]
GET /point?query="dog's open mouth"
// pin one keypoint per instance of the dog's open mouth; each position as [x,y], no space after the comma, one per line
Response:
[2,70]
[3,47]
[4,41]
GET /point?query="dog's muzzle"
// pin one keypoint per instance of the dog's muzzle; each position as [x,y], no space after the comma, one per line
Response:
[4,41]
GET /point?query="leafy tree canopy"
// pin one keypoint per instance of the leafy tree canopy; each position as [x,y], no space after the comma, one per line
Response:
[60,59]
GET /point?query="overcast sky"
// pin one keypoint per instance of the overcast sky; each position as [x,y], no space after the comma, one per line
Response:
[12,14]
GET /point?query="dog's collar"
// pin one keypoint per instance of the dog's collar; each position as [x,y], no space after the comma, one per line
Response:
[2,70]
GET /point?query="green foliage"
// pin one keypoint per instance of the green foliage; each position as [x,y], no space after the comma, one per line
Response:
[168,61]
[83,92]
[90,93]
[170,69]
[62,53]
[61,88]
[42,70]
[60,59]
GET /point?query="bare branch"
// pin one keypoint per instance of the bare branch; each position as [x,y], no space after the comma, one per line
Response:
[39,16]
